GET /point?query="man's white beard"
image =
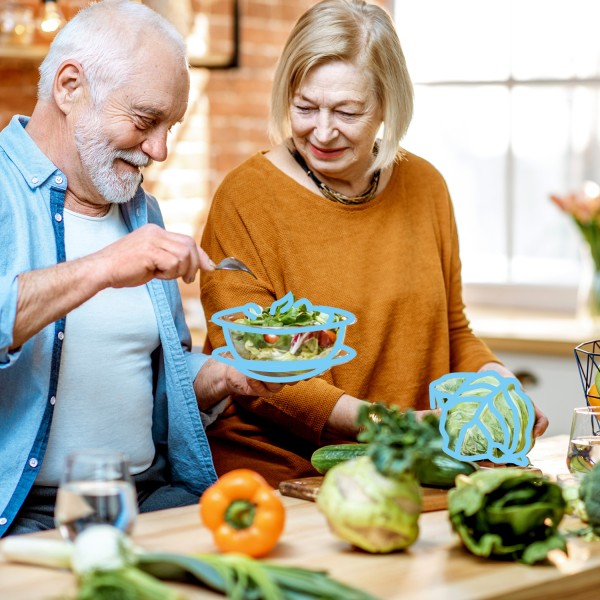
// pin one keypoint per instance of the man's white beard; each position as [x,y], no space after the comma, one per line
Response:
[98,159]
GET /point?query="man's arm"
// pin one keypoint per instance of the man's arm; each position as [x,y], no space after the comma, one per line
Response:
[46,295]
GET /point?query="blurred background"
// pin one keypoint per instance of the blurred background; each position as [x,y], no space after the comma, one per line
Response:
[507,108]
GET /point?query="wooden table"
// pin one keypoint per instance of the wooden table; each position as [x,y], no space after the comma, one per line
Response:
[435,568]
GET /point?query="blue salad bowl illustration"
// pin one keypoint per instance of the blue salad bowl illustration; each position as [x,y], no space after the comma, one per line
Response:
[290,341]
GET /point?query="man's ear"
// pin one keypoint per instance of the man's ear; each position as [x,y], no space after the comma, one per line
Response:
[68,85]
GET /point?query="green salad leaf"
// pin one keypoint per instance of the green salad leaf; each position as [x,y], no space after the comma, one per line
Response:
[288,314]
[507,513]
[267,343]
[489,418]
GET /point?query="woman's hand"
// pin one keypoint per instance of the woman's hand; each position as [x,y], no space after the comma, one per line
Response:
[216,381]
[541,421]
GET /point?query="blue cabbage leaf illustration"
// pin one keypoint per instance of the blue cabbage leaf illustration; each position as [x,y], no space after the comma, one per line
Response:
[484,416]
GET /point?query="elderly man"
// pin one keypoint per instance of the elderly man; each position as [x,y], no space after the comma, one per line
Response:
[94,351]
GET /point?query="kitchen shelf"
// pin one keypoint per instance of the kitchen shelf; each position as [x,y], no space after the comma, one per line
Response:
[29,52]
[535,332]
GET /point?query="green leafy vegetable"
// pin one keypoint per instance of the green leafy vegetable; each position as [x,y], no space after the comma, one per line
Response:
[288,312]
[266,342]
[488,418]
[582,496]
[507,513]
[589,492]
[397,440]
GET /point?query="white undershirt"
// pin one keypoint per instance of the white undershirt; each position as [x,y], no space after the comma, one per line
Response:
[104,397]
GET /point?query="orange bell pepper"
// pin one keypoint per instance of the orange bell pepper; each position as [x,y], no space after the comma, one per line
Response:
[243,512]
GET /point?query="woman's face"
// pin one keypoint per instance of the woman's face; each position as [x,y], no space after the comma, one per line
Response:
[335,117]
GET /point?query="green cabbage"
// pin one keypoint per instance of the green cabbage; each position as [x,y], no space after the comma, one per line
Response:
[486,419]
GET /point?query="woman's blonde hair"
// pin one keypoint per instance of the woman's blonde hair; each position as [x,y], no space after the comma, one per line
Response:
[355,32]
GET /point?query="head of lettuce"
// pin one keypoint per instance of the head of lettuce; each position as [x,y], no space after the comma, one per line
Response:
[484,416]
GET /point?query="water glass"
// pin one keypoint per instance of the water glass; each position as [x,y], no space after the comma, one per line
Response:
[96,488]
[584,441]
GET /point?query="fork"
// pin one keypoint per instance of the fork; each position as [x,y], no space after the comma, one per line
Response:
[233,264]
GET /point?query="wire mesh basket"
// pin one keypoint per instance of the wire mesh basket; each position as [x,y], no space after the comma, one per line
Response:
[587,356]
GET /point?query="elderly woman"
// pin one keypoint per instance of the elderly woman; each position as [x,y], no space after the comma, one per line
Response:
[344,220]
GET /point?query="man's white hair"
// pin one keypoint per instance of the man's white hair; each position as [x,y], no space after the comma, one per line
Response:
[105,38]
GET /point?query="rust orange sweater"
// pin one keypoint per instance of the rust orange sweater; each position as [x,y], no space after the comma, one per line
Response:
[393,262]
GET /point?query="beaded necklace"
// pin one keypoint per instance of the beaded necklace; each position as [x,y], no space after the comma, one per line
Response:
[330,194]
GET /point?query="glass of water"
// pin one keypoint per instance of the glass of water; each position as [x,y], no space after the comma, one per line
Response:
[96,488]
[584,441]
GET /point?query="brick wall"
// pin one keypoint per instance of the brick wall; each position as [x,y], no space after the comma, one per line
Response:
[226,120]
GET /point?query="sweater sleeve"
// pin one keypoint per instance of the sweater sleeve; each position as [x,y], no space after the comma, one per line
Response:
[229,231]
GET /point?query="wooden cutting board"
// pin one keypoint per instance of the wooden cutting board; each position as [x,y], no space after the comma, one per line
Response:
[307,488]
[434,499]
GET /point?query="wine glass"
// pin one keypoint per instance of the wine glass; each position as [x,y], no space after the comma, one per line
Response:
[584,441]
[96,488]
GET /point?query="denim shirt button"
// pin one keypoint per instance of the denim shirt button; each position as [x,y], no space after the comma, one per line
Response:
[53,400]
[34,180]
[58,179]
[58,217]
[61,336]
[3,520]
[33,463]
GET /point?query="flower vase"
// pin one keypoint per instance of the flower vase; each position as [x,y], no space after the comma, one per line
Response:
[589,294]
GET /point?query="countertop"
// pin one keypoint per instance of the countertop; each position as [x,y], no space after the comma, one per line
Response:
[530,331]
[435,567]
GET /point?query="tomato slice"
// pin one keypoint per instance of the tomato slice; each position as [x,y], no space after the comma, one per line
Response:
[327,338]
[270,338]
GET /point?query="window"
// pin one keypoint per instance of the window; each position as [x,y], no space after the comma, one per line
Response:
[507,107]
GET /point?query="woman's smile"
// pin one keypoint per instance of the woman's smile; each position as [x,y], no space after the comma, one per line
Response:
[326,153]
[335,118]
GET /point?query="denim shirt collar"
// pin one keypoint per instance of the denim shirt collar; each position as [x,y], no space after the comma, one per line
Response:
[33,164]
[37,168]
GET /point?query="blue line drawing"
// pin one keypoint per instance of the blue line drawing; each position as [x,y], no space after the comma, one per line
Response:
[485,390]
[284,371]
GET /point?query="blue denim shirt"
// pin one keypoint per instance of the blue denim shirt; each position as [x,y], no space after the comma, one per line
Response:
[32,194]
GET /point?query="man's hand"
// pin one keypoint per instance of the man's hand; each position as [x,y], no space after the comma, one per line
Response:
[46,295]
[150,252]
[216,381]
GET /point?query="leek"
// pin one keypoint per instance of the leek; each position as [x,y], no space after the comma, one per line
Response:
[109,566]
